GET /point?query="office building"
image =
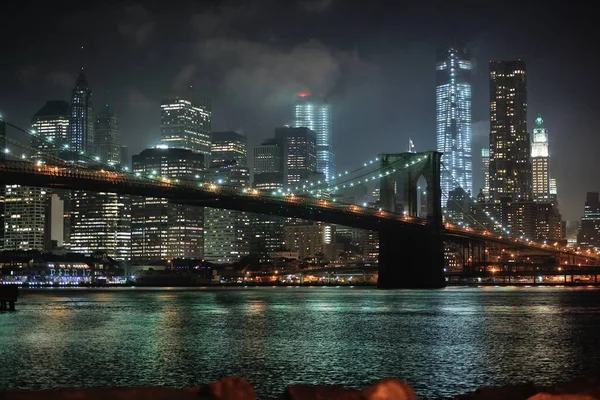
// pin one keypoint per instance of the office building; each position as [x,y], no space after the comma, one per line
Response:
[54,229]
[161,230]
[186,124]
[229,147]
[268,166]
[226,231]
[51,126]
[101,224]
[485,170]
[510,143]
[107,137]
[25,217]
[589,232]
[314,113]
[540,161]
[81,121]
[311,240]
[453,118]
[299,155]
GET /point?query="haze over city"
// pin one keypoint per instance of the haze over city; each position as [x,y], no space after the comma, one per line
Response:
[252,59]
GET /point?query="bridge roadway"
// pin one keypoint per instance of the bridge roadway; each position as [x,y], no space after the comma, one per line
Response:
[210,195]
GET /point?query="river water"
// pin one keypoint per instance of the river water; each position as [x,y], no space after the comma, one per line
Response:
[443,342]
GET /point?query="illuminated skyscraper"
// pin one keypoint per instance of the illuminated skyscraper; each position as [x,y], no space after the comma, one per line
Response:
[25,217]
[485,165]
[314,113]
[107,137]
[510,143]
[51,124]
[589,234]
[299,154]
[539,162]
[229,146]
[161,230]
[185,124]
[268,168]
[453,119]
[81,125]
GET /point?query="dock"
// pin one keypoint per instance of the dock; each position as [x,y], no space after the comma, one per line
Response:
[8,297]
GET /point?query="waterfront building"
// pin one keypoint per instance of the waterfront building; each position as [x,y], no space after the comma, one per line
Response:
[485,169]
[298,154]
[161,230]
[510,143]
[186,124]
[101,223]
[453,119]
[311,240]
[25,217]
[589,232]
[107,137]
[314,113]
[81,121]
[228,147]
[540,162]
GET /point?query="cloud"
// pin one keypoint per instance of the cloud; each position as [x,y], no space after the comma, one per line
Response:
[184,78]
[139,102]
[316,6]
[481,130]
[62,79]
[225,19]
[138,24]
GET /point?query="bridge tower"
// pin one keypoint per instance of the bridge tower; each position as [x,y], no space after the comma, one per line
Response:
[410,257]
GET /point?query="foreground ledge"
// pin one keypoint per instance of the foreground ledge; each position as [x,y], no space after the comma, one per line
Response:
[233,388]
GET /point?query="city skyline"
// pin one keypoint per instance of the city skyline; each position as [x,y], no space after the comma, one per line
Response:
[366,86]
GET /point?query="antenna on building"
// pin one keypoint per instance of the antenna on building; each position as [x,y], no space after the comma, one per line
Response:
[411,146]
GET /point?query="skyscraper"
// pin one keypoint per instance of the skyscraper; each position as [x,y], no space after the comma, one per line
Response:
[510,144]
[185,124]
[162,230]
[51,124]
[229,146]
[314,113]
[25,217]
[107,137]
[81,124]
[299,154]
[268,167]
[453,118]
[485,166]
[589,234]
[540,162]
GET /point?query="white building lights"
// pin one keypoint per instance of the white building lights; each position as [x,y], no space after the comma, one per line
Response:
[453,120]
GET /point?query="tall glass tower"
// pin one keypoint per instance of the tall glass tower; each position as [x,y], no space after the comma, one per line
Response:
[81,124]
[314,113]
[186,124]
[453,118]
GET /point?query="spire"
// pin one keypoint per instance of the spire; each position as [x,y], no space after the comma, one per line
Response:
[81,80]
[539,121]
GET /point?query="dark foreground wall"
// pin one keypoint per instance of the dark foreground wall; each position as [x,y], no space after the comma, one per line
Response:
[392,389]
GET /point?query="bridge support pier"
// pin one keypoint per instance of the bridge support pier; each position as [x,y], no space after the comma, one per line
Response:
[410,261]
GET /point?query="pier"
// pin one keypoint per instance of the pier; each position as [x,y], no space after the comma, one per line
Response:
[8,297]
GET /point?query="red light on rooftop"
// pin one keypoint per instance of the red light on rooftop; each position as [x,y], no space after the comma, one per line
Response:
[303,94]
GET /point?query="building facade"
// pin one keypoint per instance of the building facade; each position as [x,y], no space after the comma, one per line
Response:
[229,147]
[510,142]
[453,118]
[51,126]
[311,239]
[540,161]
[186,124]
[161,230]
[81,121]
[314,113]
[589,232]
[268,166]
[101,223]
[485,170]
[25,217]
[107,137]
[299,154]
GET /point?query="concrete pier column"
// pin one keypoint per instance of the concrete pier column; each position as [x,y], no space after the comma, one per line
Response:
[410,260]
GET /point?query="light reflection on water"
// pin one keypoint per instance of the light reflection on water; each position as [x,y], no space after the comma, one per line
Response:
[442,342]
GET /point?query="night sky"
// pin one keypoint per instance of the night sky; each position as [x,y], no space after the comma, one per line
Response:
[374,59]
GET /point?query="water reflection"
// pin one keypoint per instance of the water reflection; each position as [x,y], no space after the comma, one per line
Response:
[443,342]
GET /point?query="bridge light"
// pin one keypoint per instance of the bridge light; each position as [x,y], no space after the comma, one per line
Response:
[125,168]
[7,151]
[66,146]
[97,158]
[23,156]
[365,164]
[137,174]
